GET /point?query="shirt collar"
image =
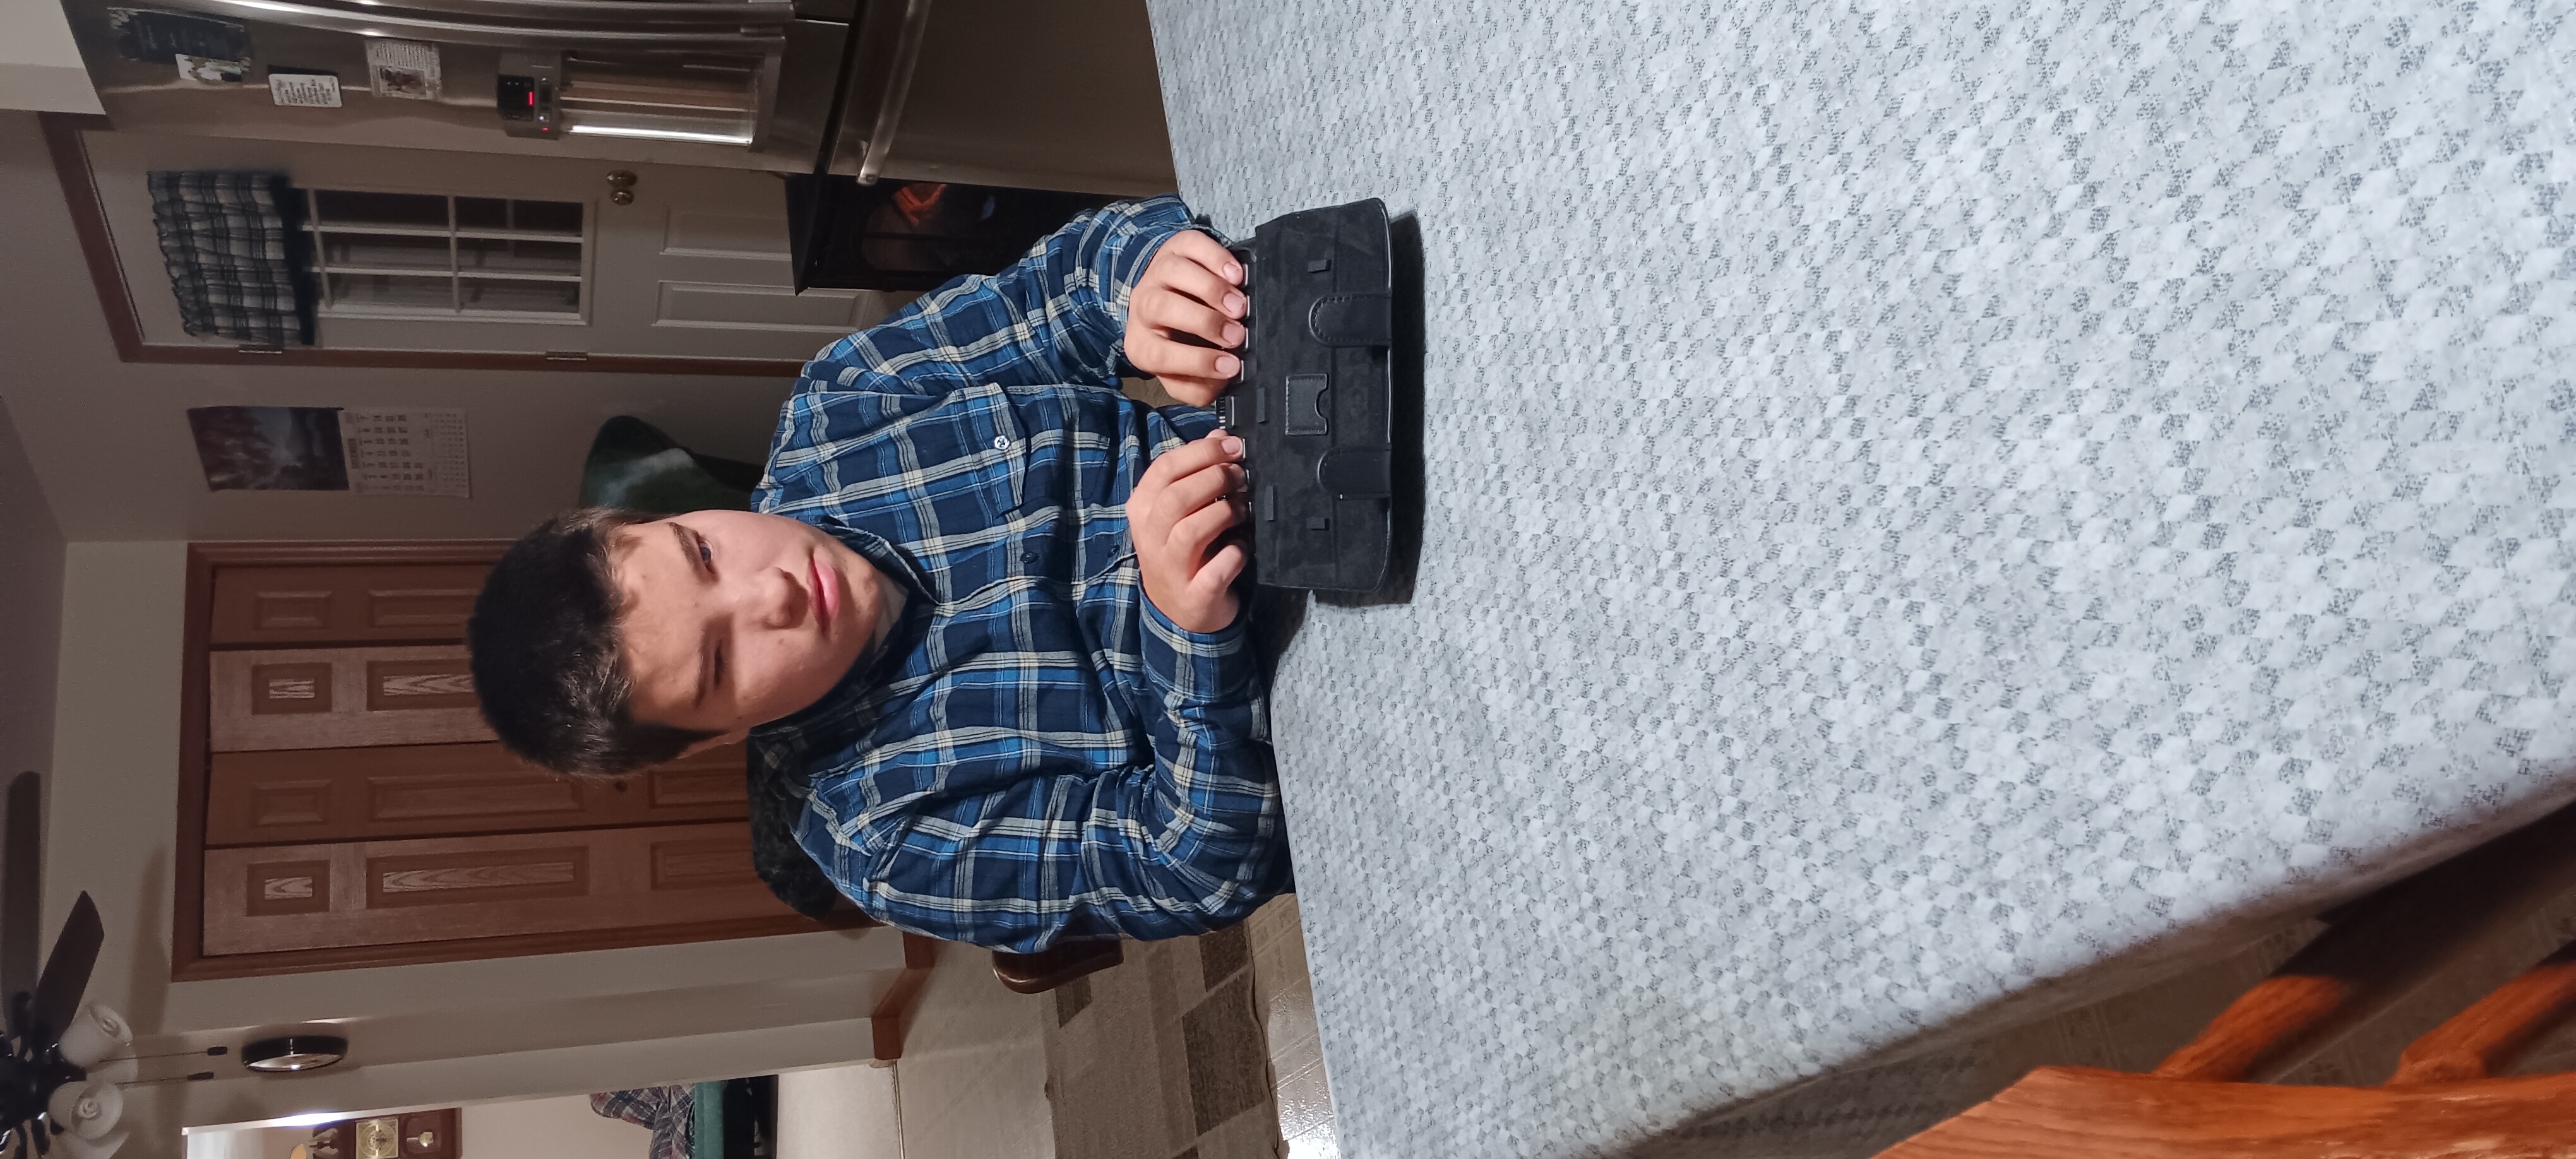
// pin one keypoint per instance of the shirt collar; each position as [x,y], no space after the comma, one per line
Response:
[835,715]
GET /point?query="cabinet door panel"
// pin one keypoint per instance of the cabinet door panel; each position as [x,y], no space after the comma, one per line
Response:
[347,604]
[314,698]
[297,796]
[376,893]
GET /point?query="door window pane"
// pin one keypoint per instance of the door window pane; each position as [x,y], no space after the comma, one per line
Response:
[430,255]
[380,251]
[510,255]
[346,207]
[519,296]
[383,293]
[494,215]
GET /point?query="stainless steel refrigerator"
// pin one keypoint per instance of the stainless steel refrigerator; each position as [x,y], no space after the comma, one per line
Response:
[737,83]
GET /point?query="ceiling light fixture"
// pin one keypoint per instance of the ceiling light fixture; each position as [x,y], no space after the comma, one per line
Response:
[294,1052]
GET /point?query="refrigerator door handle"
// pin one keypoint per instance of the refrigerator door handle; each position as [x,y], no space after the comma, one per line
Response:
[604,12]
[750,30]
[898,88]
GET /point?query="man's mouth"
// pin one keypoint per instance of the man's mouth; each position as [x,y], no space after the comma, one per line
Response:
[827,595]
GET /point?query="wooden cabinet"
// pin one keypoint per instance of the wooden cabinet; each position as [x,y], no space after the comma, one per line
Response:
[340,698]
[343,604]
[377,893]
[351,808]
[306,795]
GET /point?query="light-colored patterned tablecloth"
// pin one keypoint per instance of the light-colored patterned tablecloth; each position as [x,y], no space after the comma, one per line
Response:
[1924,500]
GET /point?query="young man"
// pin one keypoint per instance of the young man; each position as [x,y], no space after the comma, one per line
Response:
[983,614]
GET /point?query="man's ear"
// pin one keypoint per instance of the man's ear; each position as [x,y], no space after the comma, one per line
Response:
[737,736]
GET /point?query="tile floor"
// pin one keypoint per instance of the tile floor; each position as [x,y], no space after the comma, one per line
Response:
[1286,1000]
[1197,1048]
[972,1081]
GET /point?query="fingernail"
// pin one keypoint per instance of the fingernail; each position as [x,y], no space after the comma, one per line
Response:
[1227,364]
[1233,334]
[1234,304]
[1234,273]
[1233,446]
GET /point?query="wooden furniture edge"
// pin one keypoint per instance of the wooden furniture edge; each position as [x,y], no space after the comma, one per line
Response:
[2380,949]
[461,360]
[89,224]
[507,946]
[188,886]
[892,1018]
[2495,1032]
[349,552]
[2072,1110]
[62,133]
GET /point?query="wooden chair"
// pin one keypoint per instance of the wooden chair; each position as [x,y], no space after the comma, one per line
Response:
[1054,966]
[2211,1097]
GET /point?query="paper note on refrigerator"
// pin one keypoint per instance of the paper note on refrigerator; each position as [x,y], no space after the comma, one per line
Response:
[305,90]
[402,69]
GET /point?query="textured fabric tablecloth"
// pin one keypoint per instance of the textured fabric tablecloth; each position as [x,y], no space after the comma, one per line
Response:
[1923,500]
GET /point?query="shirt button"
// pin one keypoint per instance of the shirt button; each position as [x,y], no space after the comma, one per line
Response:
[1001,443]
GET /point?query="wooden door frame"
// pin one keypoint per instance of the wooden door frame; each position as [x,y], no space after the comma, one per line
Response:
[188,961]
[116,300]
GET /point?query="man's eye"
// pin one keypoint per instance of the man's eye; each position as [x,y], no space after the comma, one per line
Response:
[706,554]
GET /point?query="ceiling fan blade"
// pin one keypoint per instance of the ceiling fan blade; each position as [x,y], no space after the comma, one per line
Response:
[21,881]
[58,993]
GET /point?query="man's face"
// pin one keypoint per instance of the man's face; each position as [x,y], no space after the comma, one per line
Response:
[734,619]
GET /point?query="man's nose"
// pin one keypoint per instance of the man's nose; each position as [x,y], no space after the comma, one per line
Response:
[778,599]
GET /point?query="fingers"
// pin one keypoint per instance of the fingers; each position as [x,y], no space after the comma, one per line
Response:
[1219,574]
[1183,314]
[1189,493]
[1166,359]
[1194,391]
[1201,284]
[1191,458]
[1204,252]
[1198,531]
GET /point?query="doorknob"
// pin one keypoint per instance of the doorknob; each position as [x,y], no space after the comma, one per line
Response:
[621,188]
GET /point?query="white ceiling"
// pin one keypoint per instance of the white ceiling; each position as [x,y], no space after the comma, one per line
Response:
[40,67]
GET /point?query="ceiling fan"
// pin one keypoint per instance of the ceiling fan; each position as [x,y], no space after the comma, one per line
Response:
[58,1085]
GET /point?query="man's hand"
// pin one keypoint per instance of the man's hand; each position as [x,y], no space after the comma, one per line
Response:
[1184,315]
[1184,502]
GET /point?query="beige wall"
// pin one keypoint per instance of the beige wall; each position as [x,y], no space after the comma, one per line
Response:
[973,1080]
[842,1112]
[562,1128]
[31,600]
[40,67]
[431,1035]
[110,442]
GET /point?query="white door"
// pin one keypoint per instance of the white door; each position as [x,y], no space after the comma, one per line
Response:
[433,250]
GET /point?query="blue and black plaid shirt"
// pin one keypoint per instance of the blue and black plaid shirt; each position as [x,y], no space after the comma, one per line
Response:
[1037,752]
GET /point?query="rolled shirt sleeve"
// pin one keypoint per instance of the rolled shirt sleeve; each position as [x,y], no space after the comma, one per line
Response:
[1188,843]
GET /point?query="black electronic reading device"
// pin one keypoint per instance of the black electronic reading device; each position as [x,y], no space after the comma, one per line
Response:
[1314,404]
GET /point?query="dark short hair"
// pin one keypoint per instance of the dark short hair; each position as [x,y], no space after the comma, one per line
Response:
[548,669]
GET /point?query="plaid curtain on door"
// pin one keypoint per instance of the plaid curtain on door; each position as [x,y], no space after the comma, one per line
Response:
[237,254]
